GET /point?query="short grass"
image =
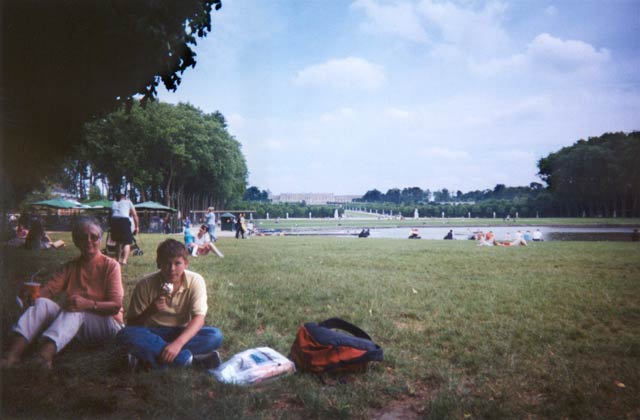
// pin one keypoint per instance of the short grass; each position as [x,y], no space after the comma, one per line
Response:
[546,331]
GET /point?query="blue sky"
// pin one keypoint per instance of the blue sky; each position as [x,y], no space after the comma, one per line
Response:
[346,96]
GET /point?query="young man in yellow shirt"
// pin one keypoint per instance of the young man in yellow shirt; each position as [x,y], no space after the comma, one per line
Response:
[166,315]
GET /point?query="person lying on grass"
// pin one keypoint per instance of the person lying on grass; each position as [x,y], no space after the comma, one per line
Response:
[165,319]
[91,309]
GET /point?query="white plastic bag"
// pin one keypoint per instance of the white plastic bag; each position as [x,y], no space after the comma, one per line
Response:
[253,366]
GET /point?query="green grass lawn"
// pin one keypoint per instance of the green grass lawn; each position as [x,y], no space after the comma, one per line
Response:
[551,330]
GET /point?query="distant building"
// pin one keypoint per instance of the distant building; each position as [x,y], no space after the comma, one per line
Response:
[313,198]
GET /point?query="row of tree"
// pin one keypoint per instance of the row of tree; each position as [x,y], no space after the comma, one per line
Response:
[415,195]
[173,154]
[598,177]
[595,177]
[262,209]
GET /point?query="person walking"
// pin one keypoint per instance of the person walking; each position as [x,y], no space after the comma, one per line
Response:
[210,220]
[122,214]
[240,226]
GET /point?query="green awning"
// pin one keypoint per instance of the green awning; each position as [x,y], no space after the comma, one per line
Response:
[58,203]
[152,205]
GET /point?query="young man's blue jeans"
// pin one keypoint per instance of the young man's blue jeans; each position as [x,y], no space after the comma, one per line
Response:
[147,343]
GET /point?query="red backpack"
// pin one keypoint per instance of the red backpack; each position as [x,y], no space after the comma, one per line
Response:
[318,348]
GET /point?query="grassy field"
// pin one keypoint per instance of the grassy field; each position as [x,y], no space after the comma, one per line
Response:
[546,331]
[356,221]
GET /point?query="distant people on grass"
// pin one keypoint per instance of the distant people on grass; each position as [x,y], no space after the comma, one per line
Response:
[166,224]
[37,238]
[250,229]
[189,239]
[240,226]
[210,220]
[124,224]
[364,233]
[527,236]
[21,231]
[514,242]
[166,316]
[17,235]
[414,234]
[186,223]
[91,290]
[449,235]
[537,236]
[202,244]
[485,240]
[635,235]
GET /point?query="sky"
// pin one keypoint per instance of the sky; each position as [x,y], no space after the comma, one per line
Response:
[346,96]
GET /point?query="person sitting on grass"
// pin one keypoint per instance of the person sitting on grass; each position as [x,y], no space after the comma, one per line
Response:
[537,236]
[202,244]
[165,319]
[91,287]
[189,239]
[37,238]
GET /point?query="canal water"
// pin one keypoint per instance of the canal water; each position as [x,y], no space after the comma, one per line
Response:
[549,233]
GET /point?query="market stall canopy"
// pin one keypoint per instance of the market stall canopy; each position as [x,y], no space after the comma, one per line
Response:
[58,203]
[152,205]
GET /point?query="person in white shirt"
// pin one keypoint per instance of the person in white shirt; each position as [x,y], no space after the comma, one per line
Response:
[203,245]
[537,235]
[124,224]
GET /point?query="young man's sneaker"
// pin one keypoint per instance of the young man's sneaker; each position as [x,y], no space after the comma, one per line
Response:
[207,361]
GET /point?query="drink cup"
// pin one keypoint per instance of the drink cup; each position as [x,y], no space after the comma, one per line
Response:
[30,291]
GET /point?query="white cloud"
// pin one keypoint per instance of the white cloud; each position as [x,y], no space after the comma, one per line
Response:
[546,52]
[475,32]
[550,51]
[346,73]
[551,11]
[398,19]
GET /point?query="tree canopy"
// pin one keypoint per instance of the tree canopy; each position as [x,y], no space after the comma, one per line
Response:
[253,193]
[598,177]
[65,62]
[595,177]
[174,154]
